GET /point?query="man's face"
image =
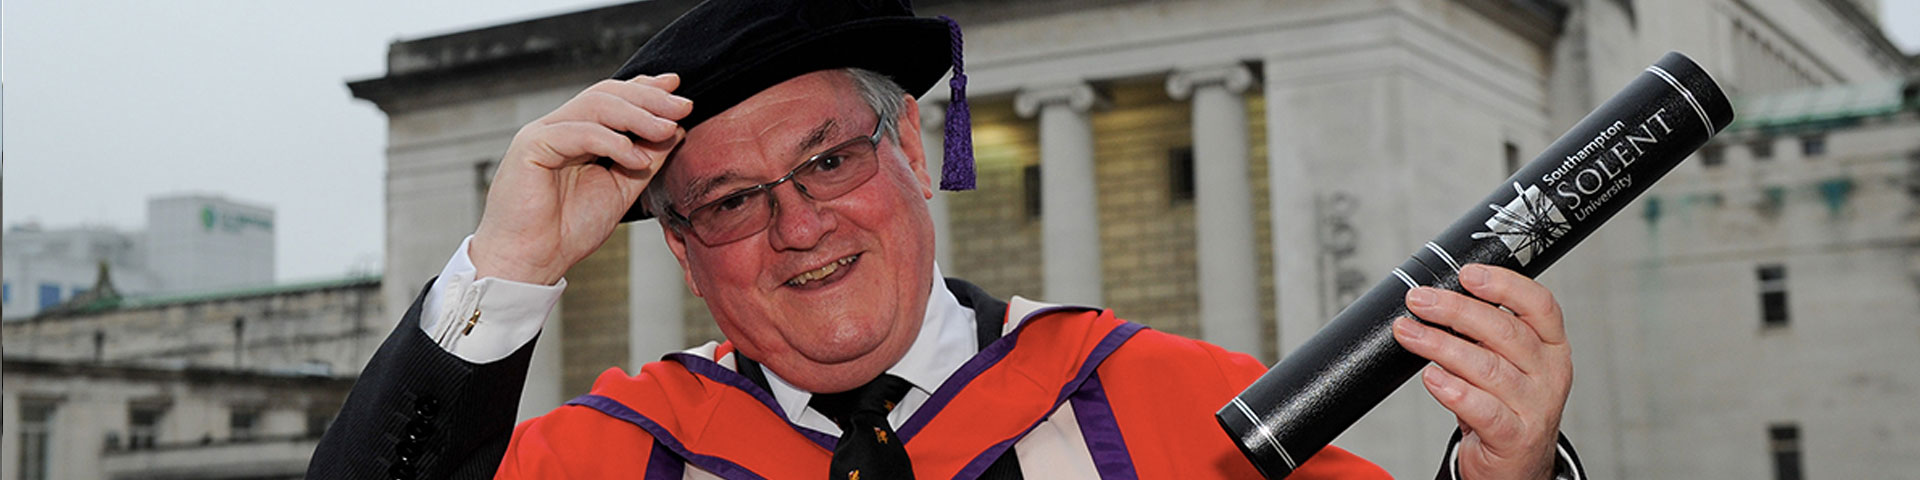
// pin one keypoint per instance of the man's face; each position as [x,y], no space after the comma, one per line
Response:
[835,332]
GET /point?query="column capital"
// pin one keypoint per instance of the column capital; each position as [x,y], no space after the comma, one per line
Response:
[1076,95]
[1232,76]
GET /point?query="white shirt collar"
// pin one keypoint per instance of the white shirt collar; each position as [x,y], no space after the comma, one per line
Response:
[946,342]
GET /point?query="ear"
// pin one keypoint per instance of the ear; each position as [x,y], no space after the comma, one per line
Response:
[677,242]
[909,127]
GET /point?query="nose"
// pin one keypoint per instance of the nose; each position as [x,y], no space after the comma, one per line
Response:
[798,222]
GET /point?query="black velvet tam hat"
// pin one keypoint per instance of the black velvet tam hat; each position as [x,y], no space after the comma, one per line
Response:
[728,50]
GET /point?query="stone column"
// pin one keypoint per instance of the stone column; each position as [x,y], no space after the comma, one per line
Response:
[1291,206]
[655,290]
[1070,229]
[1223,204]
[933,127]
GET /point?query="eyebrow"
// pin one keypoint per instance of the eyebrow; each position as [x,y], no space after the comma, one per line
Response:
[817,136]
[814,138]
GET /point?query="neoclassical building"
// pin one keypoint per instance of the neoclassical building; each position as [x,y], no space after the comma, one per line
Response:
[1238,170]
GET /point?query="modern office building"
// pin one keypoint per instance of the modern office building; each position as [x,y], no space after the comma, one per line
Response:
[192,242]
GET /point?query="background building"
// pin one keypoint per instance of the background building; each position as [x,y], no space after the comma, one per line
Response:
[204,242]
[1239,170]
[44,268]
[86,421]
[235,384]
[193,242]
[1759,315]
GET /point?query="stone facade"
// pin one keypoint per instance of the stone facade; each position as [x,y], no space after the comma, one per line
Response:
[327,328]
[113,421]
[235,384]
[1138,130]
[1696,367]
[596,311]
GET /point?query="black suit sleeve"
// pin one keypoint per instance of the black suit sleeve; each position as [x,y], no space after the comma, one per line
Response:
[418,411]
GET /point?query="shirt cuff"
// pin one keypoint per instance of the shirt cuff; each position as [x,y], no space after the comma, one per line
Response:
[1566,463]
[484,320]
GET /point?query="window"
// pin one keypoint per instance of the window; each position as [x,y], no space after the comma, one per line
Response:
[6,293]
[1773,296]
[241,423]
[317,420]
[1762,149]
[1713,156]
[1180,174]
[1030,179]
[483,181]
[1813,145]
[49,295]
[143,426]
[1513,157]
[1783,442]
[36,430]
[78,290]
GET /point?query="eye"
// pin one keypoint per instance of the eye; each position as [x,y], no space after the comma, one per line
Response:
[731,203]
[831,162]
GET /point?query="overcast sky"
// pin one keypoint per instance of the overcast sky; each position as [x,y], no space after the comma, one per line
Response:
[110,102]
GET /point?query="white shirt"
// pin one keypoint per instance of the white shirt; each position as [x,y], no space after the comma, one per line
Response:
[510,314]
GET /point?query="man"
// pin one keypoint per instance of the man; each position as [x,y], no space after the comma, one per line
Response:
[779,143]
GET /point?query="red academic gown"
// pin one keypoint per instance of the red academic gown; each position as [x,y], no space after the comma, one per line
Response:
[1142,400]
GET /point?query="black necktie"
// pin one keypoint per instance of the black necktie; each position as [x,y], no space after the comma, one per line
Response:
[868,449]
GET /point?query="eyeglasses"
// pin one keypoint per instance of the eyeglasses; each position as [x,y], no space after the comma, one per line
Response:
[823,176]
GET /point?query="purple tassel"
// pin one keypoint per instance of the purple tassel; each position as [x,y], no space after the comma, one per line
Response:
[956,173]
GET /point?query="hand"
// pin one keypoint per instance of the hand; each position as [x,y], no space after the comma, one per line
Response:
[550,204]
[1507,380]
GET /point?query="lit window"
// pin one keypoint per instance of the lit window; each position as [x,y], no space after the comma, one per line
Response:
[1783,442]
[1773,296]
[36,431]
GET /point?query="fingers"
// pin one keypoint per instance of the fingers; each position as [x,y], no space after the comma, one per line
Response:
[1492,327]
[665,81]
[566,141]
[1477,410]
[631,122]
[1528,299]
[1474,363]
[617,114]
[649,94]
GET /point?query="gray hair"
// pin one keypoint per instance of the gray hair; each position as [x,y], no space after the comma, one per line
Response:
[879,92]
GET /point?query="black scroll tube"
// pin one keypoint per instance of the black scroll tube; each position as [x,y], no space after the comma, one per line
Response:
[1530,221]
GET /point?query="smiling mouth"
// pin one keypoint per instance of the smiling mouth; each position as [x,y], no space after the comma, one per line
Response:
[818,274]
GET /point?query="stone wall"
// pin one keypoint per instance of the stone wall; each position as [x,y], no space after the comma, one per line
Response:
[595,307]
